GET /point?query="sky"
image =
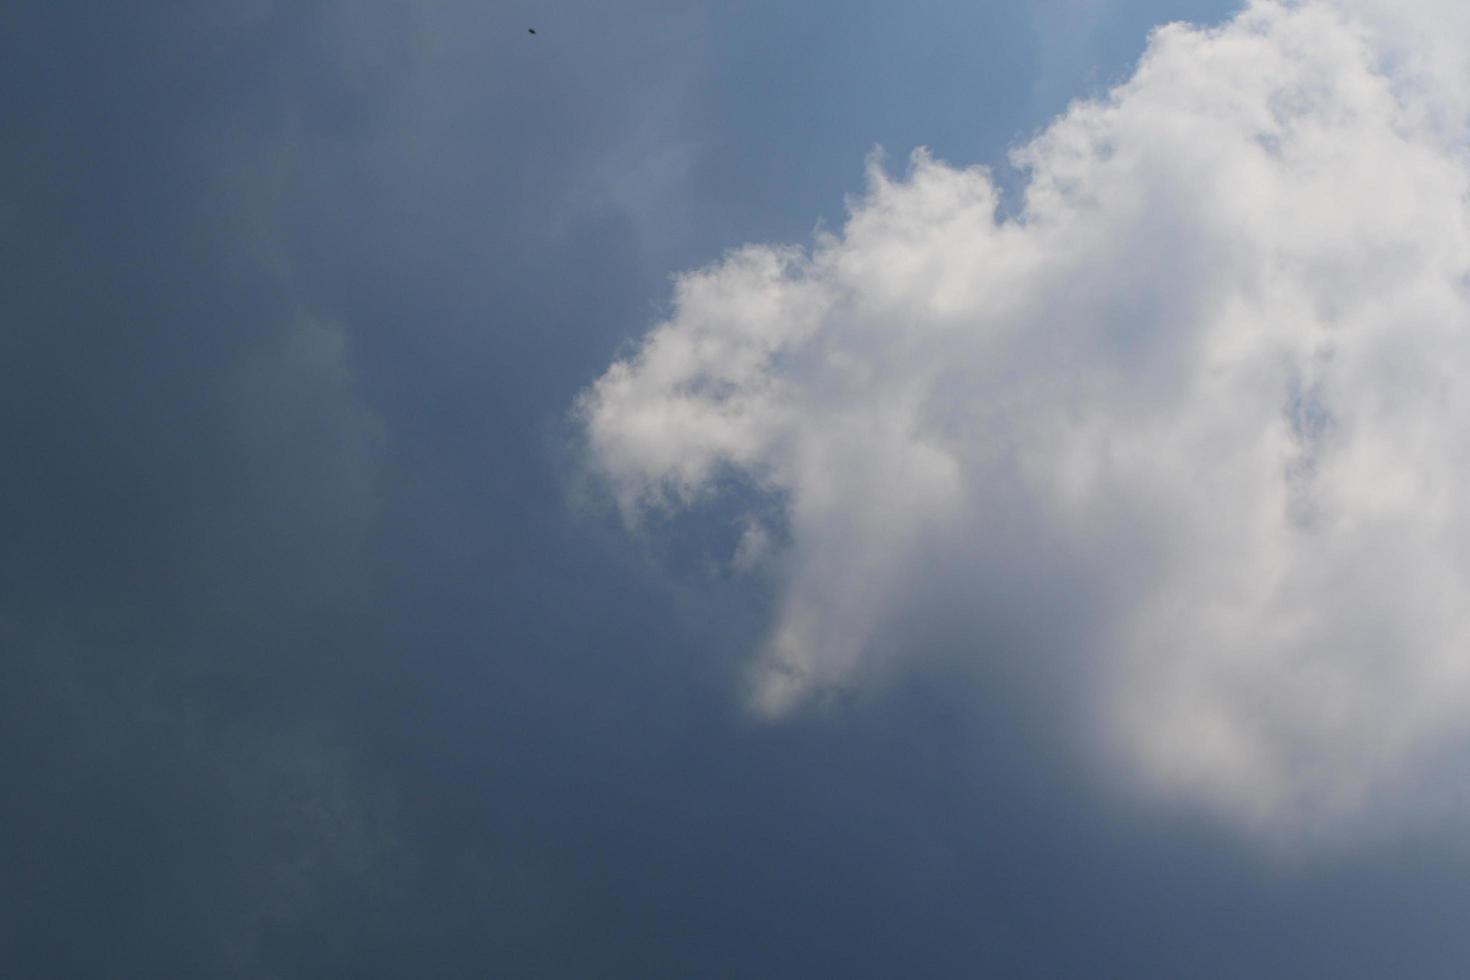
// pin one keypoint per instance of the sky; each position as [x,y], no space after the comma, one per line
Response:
[710,490]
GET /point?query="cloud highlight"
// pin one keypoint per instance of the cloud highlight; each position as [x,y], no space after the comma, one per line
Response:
[1205,380]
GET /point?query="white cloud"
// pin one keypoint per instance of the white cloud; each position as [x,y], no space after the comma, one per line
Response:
[1211,372]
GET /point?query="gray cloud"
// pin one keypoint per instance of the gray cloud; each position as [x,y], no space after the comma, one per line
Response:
[192,492]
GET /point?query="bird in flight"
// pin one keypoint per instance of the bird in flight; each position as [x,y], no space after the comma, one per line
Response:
[532,30]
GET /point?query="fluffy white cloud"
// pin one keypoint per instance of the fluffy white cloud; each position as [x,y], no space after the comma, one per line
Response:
[1207,381]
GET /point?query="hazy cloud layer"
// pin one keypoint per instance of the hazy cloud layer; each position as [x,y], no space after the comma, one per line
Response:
[1204,384]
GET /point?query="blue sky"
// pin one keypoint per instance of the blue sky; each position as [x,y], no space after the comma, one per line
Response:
[491,504]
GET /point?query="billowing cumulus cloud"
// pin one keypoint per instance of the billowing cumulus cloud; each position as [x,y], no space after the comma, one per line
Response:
[1206,382]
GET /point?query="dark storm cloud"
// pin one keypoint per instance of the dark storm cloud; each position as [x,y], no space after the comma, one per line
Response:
[307,670]
[190,480]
